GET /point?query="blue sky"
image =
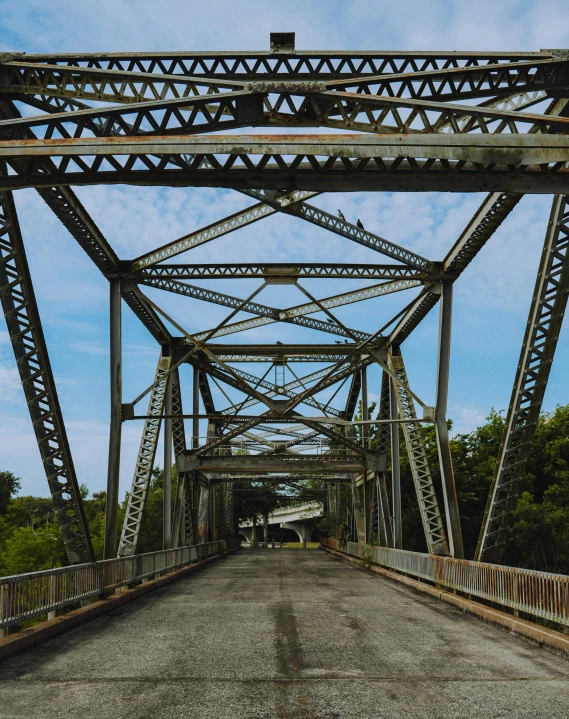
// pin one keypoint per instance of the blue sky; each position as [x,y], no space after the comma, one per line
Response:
[491,298]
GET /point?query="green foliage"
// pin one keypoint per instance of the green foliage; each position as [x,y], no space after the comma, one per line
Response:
[9,485]
[29,550]
[30,537]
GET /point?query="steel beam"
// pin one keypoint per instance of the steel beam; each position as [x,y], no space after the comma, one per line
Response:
[282,103]
[182,518]
[286,463]
[274,271]
[426,496]
[70,211]
[144,463]
[167,496]
[342,227]
[452,512]
[116,79]
[28,343]
[538,349]
[244,217]
[531,163]
[113,473]
[286,390]
[268,315]
[386,527]
[390,394]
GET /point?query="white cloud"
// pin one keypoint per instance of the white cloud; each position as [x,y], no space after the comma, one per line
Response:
[466,419]
[491,299]
[10,386]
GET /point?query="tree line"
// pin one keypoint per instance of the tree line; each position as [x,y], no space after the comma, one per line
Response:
[30,539]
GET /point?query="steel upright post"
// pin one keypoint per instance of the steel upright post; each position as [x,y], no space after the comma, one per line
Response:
[196,409]
[204,507]
[445,458]
[366,486]
[195,444]
[167,503]
[111,542]
[395,469]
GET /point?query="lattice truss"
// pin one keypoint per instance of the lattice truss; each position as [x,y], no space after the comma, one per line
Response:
[482,122]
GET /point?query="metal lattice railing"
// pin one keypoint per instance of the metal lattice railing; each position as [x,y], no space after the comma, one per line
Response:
[26,596]
[539,594]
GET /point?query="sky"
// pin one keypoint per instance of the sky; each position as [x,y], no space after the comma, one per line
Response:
[491,298]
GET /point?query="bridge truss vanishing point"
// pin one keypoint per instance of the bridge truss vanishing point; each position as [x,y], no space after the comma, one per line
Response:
[418,121]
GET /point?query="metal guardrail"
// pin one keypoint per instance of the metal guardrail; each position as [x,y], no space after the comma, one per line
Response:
[539,594]
[26,596]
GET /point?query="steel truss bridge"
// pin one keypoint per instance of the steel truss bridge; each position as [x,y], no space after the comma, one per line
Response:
[393,121]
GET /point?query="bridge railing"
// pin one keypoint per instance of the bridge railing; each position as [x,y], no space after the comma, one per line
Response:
[540,594]
[27,596]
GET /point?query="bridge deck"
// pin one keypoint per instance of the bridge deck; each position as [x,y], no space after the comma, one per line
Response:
[290,634]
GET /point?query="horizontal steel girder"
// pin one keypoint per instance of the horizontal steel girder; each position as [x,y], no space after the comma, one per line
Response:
[116,79]
[290,352]
[207,106]
[294,315]
[246,464]
[281,271]
[512,163]
[300,64]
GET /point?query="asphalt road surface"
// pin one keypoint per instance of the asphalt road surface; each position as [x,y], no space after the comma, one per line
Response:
[285,635]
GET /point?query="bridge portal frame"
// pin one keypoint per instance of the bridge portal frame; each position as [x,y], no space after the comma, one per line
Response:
[423,121]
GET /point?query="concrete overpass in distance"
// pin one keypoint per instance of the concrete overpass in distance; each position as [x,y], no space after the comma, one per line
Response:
[301,519]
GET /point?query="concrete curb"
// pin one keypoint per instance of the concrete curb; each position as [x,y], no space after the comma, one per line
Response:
[539,634]
[19,641]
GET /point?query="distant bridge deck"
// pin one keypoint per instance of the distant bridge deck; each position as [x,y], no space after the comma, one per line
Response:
[297,634]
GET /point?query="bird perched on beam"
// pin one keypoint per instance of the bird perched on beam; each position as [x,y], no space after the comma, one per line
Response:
[279,343]
[359,224]
[341,215]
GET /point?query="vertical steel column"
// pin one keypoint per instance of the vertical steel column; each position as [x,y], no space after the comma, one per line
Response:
[195,444]
[365,443]
[205,508]
[383,437]
[395,468]
[111,513]
[182,520]
[445,458]
[196,409]
[28,343]
[538,350]
[422,479]
[167,497]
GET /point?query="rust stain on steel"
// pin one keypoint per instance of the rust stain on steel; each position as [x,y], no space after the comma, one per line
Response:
[541,594]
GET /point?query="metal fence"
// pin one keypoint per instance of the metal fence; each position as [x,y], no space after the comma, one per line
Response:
[539,594]
[26,596]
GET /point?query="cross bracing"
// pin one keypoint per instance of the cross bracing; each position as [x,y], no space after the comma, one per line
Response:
[418,121]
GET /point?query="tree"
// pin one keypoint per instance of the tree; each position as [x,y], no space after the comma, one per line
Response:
[9,485]
[30,550]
